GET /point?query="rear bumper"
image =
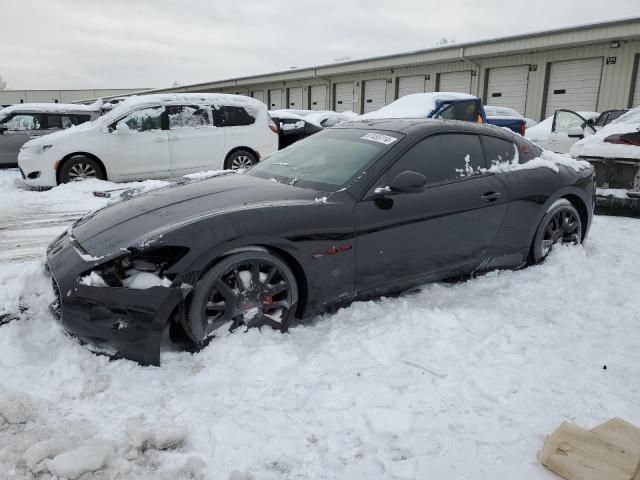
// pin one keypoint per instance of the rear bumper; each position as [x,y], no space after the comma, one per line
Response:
[622,200]
[121,322]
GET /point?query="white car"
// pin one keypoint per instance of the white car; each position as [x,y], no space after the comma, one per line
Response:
[154,136]
[614,151]
[505,112]
[559,132]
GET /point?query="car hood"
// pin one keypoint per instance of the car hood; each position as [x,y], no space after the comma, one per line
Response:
[61,136]
[142,220]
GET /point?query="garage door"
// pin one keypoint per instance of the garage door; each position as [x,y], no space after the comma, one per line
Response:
[507,87]
[574,85]
[375,95]
[318,97]
[409,85]
[344,97]
[275,99]
[295,98]
[455,82]
[635,98]
[258,95]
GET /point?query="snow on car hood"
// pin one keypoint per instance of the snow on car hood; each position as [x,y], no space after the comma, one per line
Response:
[595,146]
[132,222]
[416,105]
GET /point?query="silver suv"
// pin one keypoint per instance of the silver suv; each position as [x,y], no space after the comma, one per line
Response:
[23,122]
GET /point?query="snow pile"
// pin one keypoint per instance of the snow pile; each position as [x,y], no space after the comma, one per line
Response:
[595,146]
[416,105]
[444,382]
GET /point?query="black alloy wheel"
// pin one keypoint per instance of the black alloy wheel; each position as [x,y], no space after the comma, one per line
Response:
[249,289]
[561,225]
[240,160]
[80,168]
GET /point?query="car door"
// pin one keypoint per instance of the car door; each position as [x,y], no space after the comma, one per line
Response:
[195,144]
[234,121]
[568,127]
[20,128]
[137,146]
[443,230]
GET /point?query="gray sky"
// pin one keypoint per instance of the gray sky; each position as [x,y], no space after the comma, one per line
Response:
[152,43]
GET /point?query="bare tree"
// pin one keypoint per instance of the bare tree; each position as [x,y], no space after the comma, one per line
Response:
[3,84]
[444,41]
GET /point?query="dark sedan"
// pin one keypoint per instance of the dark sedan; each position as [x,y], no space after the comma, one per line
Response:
[362,209]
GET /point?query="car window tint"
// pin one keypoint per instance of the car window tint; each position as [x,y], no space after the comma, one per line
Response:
[232,116]
[25,121]
[189,116]
[144,120]
[497,150]
[78,119]
[442,158]
[466,111]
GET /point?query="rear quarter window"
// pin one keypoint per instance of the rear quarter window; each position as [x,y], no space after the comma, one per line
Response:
[232,116]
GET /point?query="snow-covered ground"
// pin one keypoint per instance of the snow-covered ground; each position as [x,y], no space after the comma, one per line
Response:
[456,381]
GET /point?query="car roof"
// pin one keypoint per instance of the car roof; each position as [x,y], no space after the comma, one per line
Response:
[421,126]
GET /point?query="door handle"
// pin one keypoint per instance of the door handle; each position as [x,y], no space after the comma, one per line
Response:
[491,196]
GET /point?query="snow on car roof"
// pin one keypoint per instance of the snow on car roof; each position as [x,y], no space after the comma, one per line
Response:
[126,106]
[51,108]
[416,105]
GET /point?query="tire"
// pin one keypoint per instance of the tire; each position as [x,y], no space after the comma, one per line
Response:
[244,302]
[560,225]
[240,159]
[81,168]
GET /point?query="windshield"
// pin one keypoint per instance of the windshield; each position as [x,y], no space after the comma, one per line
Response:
[326,161]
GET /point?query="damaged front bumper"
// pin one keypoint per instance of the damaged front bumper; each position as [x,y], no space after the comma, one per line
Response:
[618,183]
[122,322]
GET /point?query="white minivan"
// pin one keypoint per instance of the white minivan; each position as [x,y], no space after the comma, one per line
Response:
[154,136]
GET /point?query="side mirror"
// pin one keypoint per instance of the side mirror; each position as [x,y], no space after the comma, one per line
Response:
[3,128]
[575,132]
[122,128]
[408,182]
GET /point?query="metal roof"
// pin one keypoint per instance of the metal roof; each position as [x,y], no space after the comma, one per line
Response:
[546,39]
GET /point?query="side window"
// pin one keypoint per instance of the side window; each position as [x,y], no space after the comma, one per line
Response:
[25,121]
[56,121]
[76,120]
[497,150]
[231,116]
[144,120]
[442,158]
[564,121]
[189,116]
[466,111]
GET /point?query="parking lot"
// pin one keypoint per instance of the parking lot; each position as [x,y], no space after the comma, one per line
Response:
[456,380]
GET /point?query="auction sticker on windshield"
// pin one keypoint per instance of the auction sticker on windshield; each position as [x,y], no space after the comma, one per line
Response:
[378,137]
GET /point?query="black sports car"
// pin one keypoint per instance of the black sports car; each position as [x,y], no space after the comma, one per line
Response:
[358,210]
